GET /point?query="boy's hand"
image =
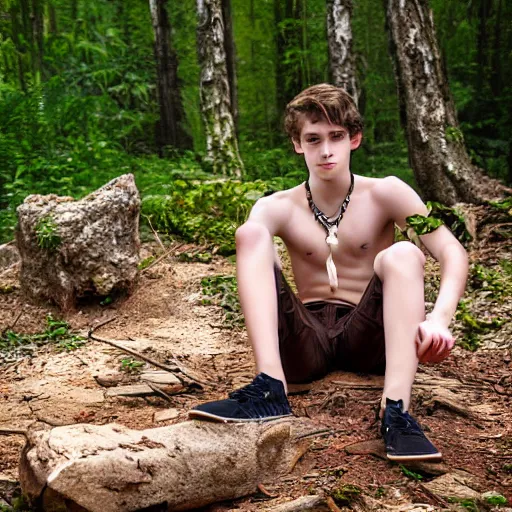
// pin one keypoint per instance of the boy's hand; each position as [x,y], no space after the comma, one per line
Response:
[434,342]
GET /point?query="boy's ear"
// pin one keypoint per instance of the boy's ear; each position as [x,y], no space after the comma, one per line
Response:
[297,146]
[355,141]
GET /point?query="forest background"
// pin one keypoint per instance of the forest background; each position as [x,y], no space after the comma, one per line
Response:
[79,100]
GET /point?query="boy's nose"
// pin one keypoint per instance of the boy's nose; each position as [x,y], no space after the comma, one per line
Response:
[326,150]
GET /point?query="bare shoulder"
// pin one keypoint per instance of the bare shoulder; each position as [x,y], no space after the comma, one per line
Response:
[274,210]
[398,199]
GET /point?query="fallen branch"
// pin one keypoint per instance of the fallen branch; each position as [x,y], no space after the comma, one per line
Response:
[299,505]
[186,465]
[173,369]
[160,258]
[13,431]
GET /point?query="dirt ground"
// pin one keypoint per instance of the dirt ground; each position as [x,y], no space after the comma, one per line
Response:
[464,403]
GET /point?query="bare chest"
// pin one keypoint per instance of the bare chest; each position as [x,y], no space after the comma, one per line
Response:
[362,233]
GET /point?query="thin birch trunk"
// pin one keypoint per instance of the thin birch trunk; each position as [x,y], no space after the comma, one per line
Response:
[230,48]
[221,141]
[341,56]
[437,151]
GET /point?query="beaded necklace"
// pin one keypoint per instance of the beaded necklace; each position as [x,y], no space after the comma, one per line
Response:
[330,224]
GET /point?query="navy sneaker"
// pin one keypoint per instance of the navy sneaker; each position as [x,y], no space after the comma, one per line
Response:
[264,399]
[403,436]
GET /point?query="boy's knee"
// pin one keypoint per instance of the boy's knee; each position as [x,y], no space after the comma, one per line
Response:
[401,256]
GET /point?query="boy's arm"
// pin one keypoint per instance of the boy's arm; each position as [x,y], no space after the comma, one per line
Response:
[434,339]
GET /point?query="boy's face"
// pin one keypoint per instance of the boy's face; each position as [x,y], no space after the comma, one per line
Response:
[326,148]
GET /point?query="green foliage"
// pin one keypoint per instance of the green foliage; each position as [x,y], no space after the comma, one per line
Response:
[454,134]
[146,262]
[505,204]
[468,504]
[130,365]
[440,214]
[57,332]
[495,499]
[223,291]
[19,504]
[410,474]
[497,281]
[47,233]
[423,225]
[205,212]
[473,327]
[345,494]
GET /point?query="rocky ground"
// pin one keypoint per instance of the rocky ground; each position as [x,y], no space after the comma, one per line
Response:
[464,403]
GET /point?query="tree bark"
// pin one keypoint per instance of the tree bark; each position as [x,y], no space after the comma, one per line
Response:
[230,49]
[437,152]
[341,56]
[221,141]
[37,38]
[289,41]
[179,467]
[169,131]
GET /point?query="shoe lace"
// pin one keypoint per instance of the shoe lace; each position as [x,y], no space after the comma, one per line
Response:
[405,424]
[252,391]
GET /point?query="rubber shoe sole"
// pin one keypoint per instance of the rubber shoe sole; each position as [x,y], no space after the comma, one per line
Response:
[220,419]
[426,456]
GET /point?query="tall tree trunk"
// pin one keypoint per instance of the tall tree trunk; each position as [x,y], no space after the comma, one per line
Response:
[289,41]
[37,39]
[53,19]
[230,49]
[221,141]
[437,152]
[341,56]
[169,130]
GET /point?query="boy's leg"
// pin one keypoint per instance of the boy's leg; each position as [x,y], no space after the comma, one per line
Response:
[401,270]
[255,258]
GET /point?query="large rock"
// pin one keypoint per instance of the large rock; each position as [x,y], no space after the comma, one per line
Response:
[110,468]
[71,249]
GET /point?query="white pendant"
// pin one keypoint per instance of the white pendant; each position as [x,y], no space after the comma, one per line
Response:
[332,237]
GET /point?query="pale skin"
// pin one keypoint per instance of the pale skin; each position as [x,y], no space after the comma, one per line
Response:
[365,247]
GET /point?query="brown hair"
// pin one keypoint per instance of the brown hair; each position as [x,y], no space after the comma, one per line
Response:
[322,102]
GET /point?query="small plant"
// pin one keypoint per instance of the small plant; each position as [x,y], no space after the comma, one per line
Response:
[494,498]
[47,233]
[454,134]
[381,491]
[507,468]
[57,332]
[130,365]
[223,291]
[410,474]
[473,327]
[146,262]
[345,494]
[438,215]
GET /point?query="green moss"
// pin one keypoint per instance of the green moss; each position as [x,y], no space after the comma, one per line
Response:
[47,233]
[345,494]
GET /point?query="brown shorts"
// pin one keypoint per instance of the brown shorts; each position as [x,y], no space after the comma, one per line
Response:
[319,337]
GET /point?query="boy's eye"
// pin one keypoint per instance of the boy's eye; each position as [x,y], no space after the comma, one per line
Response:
[311,140]
[338,136]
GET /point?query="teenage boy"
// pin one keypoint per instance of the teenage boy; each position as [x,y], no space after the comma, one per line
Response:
[360,304]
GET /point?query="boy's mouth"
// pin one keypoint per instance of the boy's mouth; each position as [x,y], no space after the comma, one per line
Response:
[328,165]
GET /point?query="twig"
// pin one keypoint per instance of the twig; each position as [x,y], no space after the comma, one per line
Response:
[14,323]
[318,433]
[159,391]
[158,260]
[155,233]
[13,431]
[101,324]
[332,506]
[172,369]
